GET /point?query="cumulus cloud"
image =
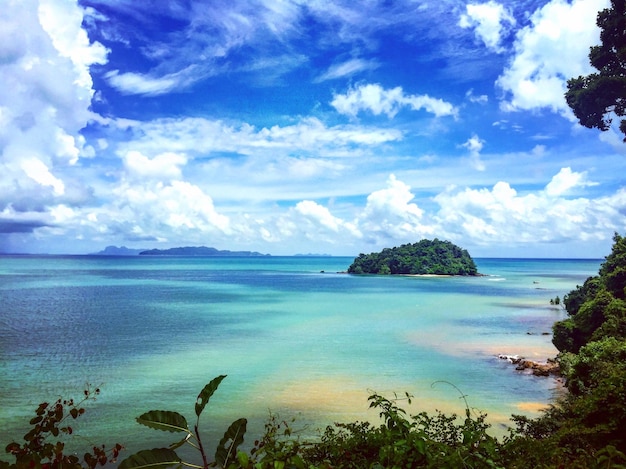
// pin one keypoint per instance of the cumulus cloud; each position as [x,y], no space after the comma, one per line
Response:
[162,166]
[390,214]
[483,216]
[62,20]
[44,103]
[501,215]
[159,209]
[490,21]
[316,222]
[377,100]
[39,172]
[551,49]
[566,180]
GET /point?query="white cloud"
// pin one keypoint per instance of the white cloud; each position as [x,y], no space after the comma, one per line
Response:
[390,214]
[475,145]
[308,168]
[136,83]
[566,180]
[202,136]
[44,103]
[489,20]
[162,166]
[62,20]
[316,222]
[377,100]
[502,216]
[481,99]
[162,210]
[203,47]
[552,49]
[39,172]
[345,69]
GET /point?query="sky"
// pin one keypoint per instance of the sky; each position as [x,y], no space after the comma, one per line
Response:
[294,127]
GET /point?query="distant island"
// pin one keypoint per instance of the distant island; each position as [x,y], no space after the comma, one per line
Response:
[199,251]
[118,251]
[426,257]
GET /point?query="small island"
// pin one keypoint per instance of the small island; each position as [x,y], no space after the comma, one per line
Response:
[199,251]
[426,257]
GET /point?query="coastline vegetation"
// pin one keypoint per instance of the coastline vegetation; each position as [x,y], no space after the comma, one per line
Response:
[426,257]
[584,428]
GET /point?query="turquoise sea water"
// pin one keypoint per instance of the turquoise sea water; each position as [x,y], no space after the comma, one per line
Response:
[293,340]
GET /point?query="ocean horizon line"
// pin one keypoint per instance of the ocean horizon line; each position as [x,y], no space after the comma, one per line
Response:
[26,254]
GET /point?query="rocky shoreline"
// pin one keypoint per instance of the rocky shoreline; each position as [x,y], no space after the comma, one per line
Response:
[547,368]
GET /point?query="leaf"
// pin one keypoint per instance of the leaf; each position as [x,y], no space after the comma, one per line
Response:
[243,459]
[152,458]
[180,443]
[164,420]
[206,393]
[230,441]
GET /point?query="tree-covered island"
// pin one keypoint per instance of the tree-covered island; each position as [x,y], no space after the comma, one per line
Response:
[426,257]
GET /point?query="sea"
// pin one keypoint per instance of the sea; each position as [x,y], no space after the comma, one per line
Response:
[297,338]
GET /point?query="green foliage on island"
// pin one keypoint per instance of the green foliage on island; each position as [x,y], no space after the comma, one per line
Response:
[434,257]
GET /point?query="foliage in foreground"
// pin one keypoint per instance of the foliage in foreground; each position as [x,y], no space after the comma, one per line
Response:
[53,421]
[425,257]
[400,441]
[174,422]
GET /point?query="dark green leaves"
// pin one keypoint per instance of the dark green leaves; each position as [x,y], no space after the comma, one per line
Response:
[170,421]
[206,393]
[227,448]
[596,97]
[151,458]
[164,420]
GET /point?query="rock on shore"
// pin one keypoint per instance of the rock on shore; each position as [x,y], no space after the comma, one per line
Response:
[550,367]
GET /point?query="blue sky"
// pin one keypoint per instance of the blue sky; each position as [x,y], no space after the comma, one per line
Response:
[302,127]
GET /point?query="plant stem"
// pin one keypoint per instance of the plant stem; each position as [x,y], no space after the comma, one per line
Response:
[201,448]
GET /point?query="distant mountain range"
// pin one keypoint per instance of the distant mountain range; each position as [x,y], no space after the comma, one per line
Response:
[179,251]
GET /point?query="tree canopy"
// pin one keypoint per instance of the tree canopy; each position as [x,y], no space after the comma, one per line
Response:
[597,308]
[434,257]
[596,97]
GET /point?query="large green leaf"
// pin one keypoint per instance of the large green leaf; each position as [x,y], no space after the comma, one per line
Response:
[165,420]
[206,393]
[151,458]
[227,446]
